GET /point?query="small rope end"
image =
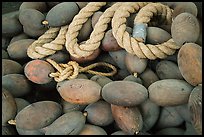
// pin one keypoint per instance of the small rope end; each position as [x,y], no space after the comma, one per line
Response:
[12,122]
[135,74]
[45,22]
[85,114]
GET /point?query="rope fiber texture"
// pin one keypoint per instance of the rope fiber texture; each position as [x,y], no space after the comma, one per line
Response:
[58,38]
[117,13]
[53,40]
[98,32]
[134,46]
[72,69]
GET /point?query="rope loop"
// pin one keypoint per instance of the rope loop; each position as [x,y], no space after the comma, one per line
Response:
[66,36]
[135,44]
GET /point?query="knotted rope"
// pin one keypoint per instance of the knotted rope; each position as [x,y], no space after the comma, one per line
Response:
[118,14]
[72,69]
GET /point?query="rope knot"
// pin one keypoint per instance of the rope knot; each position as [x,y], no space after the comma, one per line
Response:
[72,69]
[64,71]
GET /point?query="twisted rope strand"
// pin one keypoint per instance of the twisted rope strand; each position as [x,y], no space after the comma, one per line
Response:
[96,36]
[72,69]
[55,45]
[132,45]
[153,9]
[48,44]
[47,37]
[75,26]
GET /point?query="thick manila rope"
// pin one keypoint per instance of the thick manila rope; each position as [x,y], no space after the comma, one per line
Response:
[136,45]
[56,45]
[43,48]
[47,37]
[51,41]
[140,49]
[40,48]
[98,33]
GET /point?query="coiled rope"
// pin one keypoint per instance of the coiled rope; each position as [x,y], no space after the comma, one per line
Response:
[71,44]
[56,38]
[137,46]
[117,13]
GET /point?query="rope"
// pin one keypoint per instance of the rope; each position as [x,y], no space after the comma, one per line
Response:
[12,122]
[98,33]
[117,13]
[135,46]
[76,50]
[47,37]
[50,42]
[72,69]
